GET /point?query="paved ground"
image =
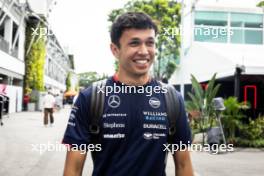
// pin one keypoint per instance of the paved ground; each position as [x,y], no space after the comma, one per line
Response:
[23,132]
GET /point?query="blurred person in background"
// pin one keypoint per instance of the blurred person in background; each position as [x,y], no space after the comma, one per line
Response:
[49,105]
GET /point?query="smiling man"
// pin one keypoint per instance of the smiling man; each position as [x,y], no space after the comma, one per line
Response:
[134,126]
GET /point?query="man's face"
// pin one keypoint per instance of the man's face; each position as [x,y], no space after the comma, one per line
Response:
[136,52]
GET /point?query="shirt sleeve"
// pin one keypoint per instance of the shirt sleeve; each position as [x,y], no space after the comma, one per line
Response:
[77,132]
[183,132]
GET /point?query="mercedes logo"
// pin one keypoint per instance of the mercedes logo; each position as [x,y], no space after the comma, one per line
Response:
[114,101]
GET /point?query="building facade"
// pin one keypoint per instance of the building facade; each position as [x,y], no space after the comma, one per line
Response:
[227,39]
[12,66]
[14,17]
[57,65]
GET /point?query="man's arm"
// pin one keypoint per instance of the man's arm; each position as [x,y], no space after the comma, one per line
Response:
[74,163]
[183,165]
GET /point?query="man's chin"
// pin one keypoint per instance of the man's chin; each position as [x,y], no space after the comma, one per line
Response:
[141,73]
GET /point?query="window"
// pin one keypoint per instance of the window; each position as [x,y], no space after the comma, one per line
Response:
[247,36]
[2,31]
[246,20]
[253,37]
[243,28]
[211,18]
[210,34]
[247,28]
[237,36]
[211,27]
[15,28]
[2,26]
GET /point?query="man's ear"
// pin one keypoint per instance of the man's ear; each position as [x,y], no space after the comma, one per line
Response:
[115,50]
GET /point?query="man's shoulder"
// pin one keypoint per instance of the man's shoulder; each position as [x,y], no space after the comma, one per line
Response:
[87,92]
[168,85]
[171,87]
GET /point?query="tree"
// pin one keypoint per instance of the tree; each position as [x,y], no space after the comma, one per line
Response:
[87,78]
[166,14]
[34,60]
[201,101]
[260,4]
[232,116]
[68,82]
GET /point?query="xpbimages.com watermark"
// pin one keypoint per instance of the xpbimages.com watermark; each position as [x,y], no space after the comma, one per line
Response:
[41,32]
[59,147]
[213,31]
[212,148]
[125,89]
[84,148]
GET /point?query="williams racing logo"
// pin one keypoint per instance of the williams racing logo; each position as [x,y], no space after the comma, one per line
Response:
[154,102]
[149,136]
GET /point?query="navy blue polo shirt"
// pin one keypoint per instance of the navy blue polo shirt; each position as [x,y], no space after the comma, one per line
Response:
[134,127]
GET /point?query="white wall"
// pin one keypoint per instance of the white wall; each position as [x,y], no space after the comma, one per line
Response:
[40,6]
[10,63]
[16,97]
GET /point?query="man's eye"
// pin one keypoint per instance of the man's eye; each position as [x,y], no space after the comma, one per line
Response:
[150,43]
[134,43]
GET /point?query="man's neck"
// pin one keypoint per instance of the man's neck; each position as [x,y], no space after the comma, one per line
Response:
[133,80]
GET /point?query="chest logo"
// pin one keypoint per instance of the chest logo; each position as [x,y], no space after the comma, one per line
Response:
[147,136]
[154,102]
[114,101]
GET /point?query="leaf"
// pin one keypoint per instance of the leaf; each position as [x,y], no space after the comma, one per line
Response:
[210,86]
[197,88]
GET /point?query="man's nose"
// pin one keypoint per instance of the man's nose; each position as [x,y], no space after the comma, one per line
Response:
[143,50]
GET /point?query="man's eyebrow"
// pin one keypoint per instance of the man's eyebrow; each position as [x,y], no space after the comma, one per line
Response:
[138,39]
[150,38]
[135,39]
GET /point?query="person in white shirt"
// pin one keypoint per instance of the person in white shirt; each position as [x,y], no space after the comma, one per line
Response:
[49,105]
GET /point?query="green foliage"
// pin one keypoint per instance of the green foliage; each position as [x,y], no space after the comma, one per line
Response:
[232,116]
[77,87]
[251,134]
[166,14]
[201,101]
[87,78]
[116,65]
[241,142]
[68,82]
[34,61]
[171,67]
[260,4]
[33,99]
[254,130]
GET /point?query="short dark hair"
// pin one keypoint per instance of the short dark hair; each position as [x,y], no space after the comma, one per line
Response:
[129,20]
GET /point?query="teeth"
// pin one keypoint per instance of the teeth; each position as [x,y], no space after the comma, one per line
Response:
[141,61]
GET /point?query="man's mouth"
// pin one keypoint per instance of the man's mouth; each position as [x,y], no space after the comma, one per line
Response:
[141,61]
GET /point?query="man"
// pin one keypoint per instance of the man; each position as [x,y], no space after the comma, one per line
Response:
[134,126]
[49,105]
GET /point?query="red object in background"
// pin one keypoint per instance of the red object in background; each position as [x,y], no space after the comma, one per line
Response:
[26,99]
[204,86]
[3,89]
[246,94]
